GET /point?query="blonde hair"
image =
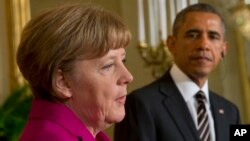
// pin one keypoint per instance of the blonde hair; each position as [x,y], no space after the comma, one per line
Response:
[59,36]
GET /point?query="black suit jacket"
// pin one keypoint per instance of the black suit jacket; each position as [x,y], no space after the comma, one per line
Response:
[158,112]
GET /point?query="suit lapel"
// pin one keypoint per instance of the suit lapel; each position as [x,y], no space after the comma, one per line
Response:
[177,108]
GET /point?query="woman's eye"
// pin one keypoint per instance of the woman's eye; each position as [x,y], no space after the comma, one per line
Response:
[107,67]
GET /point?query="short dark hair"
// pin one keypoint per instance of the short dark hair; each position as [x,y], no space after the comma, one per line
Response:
[199,7]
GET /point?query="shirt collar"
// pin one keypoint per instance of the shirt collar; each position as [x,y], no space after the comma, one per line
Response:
[185,85]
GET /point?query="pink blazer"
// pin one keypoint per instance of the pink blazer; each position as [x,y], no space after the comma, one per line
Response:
[50,121]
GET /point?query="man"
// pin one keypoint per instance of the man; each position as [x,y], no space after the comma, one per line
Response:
[166,110]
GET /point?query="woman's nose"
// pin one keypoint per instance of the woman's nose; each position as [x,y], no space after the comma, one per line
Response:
[127,77]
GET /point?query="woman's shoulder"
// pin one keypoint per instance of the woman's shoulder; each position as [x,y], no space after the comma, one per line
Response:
[41,130]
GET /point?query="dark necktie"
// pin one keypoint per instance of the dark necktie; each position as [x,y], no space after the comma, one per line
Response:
[202,115]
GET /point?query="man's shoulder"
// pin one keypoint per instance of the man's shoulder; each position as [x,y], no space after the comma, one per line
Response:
[221,100]
[154,89]
[148,93]
[146,89]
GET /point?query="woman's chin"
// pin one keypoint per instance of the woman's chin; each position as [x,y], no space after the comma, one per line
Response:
[118,117]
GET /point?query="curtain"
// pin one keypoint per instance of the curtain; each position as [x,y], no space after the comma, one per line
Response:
[18,13]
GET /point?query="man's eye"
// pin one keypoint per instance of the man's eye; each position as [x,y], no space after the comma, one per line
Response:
[193,35]
[213,36]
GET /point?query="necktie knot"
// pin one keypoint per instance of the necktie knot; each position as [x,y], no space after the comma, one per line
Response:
[200,96]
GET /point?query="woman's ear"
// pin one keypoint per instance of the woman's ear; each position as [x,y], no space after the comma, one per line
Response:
[60,85]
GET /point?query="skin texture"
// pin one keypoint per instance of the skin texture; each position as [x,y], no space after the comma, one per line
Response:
[96,89]
[198,46]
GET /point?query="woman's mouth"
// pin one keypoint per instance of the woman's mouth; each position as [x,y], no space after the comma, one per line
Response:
[121,99]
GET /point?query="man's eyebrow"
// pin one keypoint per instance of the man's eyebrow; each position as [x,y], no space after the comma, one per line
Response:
[192,31]
[214,33]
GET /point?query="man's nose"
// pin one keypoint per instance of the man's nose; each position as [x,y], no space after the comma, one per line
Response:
[204,42]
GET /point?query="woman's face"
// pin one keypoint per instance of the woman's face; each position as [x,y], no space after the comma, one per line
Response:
[98,88]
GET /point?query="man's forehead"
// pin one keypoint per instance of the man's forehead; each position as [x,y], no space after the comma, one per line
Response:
[203,20]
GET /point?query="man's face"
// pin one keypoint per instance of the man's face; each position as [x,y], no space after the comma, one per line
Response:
[198,46]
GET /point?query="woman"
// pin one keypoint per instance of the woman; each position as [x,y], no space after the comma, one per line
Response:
[73,59]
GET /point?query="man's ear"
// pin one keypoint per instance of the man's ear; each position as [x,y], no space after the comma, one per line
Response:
[60,85]
[171,44]
[224,50]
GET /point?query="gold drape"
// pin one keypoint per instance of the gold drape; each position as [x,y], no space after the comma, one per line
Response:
[18,15]
[244,77]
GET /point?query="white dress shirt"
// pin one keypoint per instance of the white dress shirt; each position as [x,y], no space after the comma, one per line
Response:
[188,89]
